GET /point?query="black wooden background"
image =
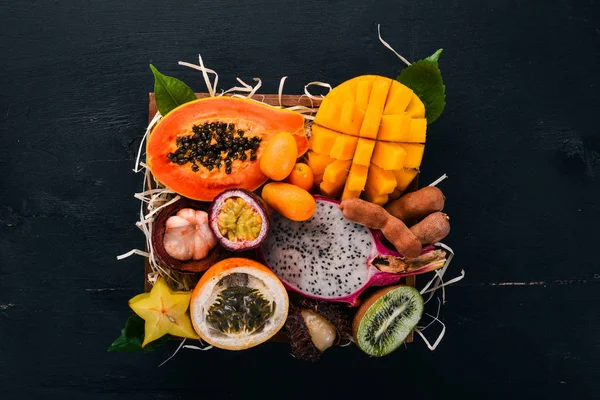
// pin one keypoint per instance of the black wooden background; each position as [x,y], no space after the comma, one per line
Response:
[519,139]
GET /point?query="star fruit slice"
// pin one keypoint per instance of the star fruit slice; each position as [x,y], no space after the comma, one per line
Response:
[165,312]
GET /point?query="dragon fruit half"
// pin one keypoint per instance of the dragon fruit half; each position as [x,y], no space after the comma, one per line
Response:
[330,258]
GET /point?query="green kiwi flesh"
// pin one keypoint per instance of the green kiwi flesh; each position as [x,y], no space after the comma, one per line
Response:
[389,320]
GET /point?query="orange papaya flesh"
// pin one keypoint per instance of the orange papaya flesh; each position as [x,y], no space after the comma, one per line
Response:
[253,118]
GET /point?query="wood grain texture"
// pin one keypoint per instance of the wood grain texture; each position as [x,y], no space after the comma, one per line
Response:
[518,139]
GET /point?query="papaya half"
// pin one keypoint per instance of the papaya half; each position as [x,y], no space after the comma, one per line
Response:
[206,146]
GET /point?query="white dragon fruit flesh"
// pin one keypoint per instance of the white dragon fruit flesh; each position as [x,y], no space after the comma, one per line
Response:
[330,258]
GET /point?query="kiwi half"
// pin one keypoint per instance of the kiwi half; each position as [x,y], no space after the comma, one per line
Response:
[385,319]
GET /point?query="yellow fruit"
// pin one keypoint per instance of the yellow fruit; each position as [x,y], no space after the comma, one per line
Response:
[164,312]
[302,176]
[371,196]
[279,156]
[317,162]
[336,171]
[389,120]
[289,200]
[322,139]
[370,124]
[343,147]
[416,108]
[357,178]
[331,189]
[380,181]
[364,152]
[350,194]
[414,154]
[398,98]
[404,177]
[389,156]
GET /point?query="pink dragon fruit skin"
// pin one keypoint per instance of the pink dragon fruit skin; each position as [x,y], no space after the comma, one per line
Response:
[328,257]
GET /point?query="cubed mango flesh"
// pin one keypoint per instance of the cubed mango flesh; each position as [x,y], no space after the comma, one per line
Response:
[322,139]
[317,162]
[416,108]
[371,196]
[380,181]
[395,128]
[357,178]
[364,151]
[337,171]
[404,177]
[414,154]
[351,118]
[398,98]
[350,194]
[389,156]
[374,128]
[343,148]
[377,99]
[363,92]
[331,189]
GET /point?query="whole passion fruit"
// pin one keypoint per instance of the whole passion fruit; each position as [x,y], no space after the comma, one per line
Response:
[239,219]
[174,227]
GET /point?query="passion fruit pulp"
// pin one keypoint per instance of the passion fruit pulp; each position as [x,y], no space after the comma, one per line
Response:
[239,220]
[237,304]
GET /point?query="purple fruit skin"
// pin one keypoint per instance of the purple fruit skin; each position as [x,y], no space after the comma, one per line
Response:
[250,198]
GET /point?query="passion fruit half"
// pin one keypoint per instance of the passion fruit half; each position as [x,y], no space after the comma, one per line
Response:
[239,219]
[237,304]
[159,230]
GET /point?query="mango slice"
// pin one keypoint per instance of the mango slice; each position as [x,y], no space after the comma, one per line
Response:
[402,128]
[414,154]
[357,178]
[350,194]
[337,171]
[398,98]
[371,196]
[317,162]
[389,156]
[380,181]
[364,151]
[416,108]
[322,139]
[418,129]
[404,177]
[363,93]
[370,124]
[343,147]
[165,312]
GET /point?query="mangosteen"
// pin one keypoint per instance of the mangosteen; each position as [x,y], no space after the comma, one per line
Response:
[239,219]
[174,238]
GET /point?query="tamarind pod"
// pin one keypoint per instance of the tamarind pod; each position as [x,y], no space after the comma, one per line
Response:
[364,213]
[405,241]
[416,205]
[432,228]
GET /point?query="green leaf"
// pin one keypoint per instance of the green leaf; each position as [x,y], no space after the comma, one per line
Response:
[170,92]
[132,337]
[434,57]
[425,79]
